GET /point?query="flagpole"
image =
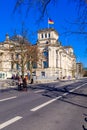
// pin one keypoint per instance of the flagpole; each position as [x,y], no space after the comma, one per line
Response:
[48,22]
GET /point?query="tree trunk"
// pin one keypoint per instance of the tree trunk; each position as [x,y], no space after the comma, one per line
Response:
[31,77]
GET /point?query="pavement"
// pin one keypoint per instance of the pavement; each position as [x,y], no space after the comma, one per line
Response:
[12,84]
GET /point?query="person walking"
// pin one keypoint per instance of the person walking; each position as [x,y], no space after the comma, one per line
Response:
[24,84]
[20,82]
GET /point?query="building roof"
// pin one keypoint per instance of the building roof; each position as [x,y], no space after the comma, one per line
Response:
[67,46]
[79,63]
[85,69]
[48,29]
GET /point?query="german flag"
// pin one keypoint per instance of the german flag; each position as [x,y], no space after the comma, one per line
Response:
[50,21]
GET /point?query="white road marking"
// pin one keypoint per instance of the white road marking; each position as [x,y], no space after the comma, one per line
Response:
[8,98]
[45,104]
[10,122]
[39,91]
[77,87]
[65,94]
[50,101]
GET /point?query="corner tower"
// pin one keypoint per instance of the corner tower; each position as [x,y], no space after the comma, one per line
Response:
[47,36]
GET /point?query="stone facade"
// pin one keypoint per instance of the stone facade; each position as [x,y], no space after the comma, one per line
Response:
[79,70]
[5,64]
[58,61]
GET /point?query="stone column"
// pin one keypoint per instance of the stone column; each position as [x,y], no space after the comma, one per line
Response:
[49,58]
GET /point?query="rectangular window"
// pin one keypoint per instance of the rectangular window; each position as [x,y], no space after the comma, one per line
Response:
[34,73]
[0,75]
[42,35]
[45,64]
[12,66]
[17,66]
[34,65]
[12,56]
[17,56]
[28,65]
[45,53]
[43,74]
[45,35]
[57,59]
[49,35]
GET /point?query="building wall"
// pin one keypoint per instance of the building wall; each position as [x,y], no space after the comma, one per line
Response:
[61,60]
[79,69]
[5,64]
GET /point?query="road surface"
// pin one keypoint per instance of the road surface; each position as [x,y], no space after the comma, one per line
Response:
[51,106]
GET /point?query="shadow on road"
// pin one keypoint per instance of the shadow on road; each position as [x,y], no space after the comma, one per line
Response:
[73,103]
[51,91]
[85,119]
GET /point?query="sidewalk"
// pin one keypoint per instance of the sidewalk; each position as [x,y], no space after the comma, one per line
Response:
[5,85]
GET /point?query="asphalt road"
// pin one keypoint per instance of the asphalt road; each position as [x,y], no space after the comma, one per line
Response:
[51,106]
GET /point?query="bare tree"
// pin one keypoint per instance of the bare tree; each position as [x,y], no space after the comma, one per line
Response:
[39,5]
[23,54]
[80,22]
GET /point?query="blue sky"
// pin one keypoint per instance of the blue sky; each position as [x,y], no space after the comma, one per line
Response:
[62,14]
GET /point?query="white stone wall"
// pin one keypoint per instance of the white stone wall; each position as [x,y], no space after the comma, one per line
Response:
[60,59]
[61,63]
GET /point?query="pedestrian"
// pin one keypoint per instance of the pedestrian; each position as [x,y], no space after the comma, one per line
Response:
[24,84]
[32,81]
[20,82]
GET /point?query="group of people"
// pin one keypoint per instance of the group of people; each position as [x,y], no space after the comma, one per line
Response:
[22,83]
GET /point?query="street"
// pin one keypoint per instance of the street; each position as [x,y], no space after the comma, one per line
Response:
[49,106]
